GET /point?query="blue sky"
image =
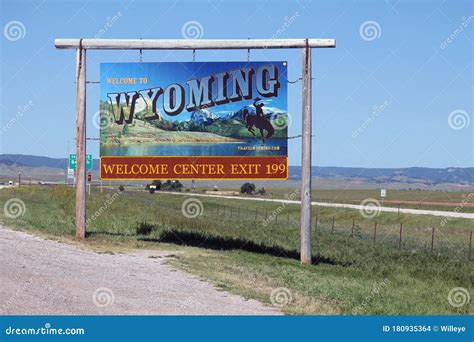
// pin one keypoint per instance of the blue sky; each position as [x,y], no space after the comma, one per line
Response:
[396,91]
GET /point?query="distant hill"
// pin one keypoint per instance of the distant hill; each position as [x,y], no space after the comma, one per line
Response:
[418,176]
[11,163]
[38,161]
[401,175]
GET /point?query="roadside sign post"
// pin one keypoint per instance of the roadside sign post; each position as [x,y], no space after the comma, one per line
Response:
[73,165]
[383,194]
[70,175]
[73,162]
[80,142]
[89,180]
[306,160]
[195,44]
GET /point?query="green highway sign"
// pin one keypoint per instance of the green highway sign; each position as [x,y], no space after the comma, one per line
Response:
[72,161]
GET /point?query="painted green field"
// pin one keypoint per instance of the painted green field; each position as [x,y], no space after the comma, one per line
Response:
[252,248]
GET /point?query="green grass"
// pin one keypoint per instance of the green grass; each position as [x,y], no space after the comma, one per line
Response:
[439,199]
[231,244]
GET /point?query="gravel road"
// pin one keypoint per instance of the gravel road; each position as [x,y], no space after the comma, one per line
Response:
[44,277]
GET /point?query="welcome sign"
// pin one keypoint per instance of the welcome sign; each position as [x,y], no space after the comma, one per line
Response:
[209,120]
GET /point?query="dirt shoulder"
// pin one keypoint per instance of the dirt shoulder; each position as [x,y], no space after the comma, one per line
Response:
[44,277]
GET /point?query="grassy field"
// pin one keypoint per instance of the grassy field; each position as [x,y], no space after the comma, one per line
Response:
[244,247]
[463,201]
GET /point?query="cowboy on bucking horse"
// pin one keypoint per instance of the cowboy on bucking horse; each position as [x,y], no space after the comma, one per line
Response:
[258,120]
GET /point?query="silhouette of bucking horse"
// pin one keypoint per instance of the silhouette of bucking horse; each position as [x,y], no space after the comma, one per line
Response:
[258,120]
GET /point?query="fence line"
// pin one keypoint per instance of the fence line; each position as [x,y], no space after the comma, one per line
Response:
[378,235]
[401,239]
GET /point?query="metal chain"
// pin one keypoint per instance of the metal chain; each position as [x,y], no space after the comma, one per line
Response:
[194,55]
[292,82]
[141,54]
[297,80]
[299,136]
[248,53]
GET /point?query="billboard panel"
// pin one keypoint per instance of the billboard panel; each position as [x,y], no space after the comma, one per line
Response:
[191,120]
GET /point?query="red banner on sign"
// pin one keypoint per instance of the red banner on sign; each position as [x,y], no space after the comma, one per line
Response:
[238,167]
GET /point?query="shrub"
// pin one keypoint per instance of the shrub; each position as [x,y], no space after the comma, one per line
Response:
[144,228]
[247,188]
[172,186]
[121,187]
[176,186]
[166,186]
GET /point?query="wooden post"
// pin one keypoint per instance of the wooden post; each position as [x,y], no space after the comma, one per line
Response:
[432,239]
[375,232]
[352,229]
[81,143]
[306,159]
[288,219]
[19,179]
[256,213]
[316,224]
[332,226]
[398,208]
[470,245]
[192,44]
[400,237]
